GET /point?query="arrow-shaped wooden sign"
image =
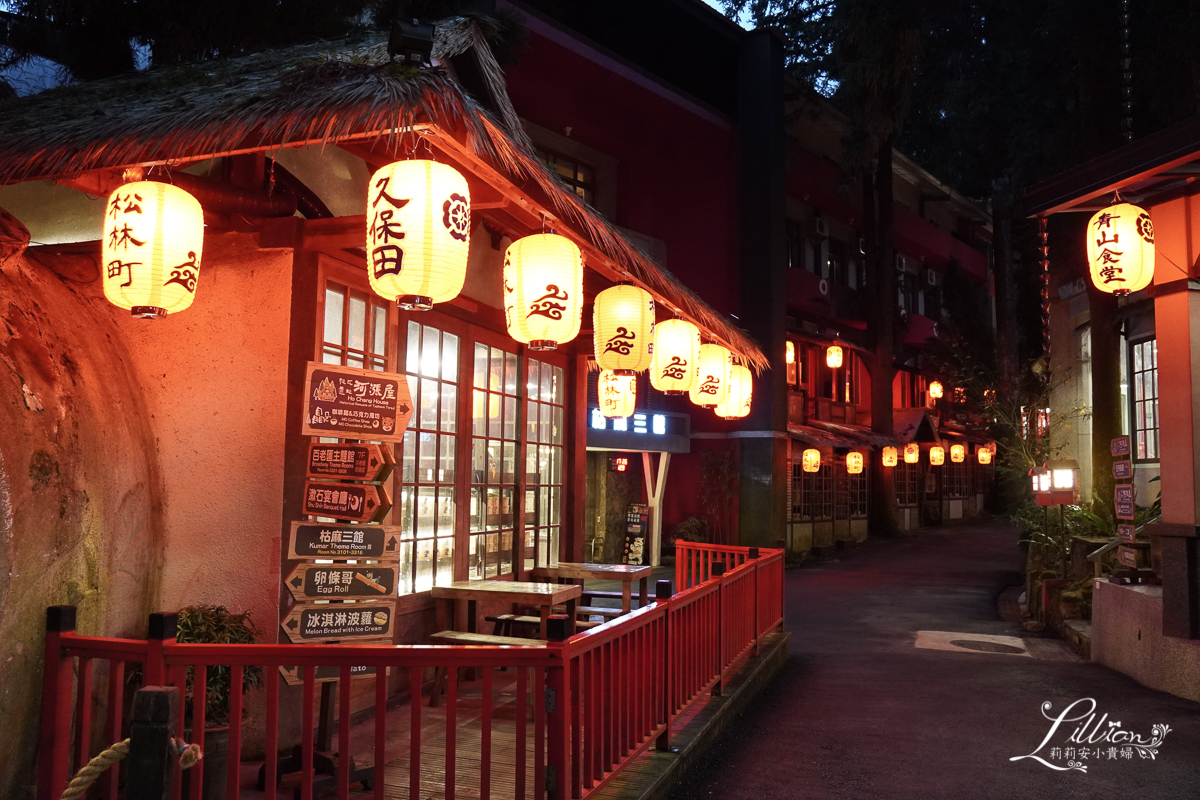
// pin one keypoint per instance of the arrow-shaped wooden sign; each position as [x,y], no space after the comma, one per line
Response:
[355,462]
[361,502]
[352,403]
[338,581]
[329,623]
[330,540]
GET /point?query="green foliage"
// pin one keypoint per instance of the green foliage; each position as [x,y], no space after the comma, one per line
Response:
[718,486]
[208,624]
[692,529]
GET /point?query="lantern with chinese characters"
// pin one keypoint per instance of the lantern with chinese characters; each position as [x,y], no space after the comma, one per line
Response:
[618,393]
[623,328]
[935,390]
[675,365]
[854,463]
[741,387]
[418,233]
[912,453]
[153,237]
[890,456]
[833,356]
[958,453]
[712,386]
[984,454]
[543,290]
[1120,249]
[790,352]
[811,460]
[937,456]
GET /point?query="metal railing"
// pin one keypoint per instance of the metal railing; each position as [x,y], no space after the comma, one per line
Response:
[603,696]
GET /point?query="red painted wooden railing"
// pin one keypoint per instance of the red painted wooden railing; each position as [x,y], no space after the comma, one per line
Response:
[609,693]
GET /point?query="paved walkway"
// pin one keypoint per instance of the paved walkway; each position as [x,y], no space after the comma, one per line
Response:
[859,711]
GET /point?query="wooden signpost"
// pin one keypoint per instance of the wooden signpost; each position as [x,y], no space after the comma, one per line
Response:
[1132,555]
[1119,446]
[1128,557]
[1123,470]
[340,581]
[355,403]
[350,461]
[360,502]
[1123,500]
[310,540]
[334,623]
[1125,533]
[292,676]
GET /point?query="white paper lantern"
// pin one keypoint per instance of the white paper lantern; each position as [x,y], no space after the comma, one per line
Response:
[153,238]
[833,357]
[712,385]
[618,393]
[811,460]
[936,391]
[741,389]
[675,365]
[854,463]
[543,290]
[623,328]
[890,456]
[937,456]
[958,453]
[418,233]
[912,453]
[984,454]
[1120,249]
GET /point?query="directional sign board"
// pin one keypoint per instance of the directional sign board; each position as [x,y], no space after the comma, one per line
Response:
[1119,446]
[1127,556]
[319,540]
[1123,470]
[354,462]
[294,676]
[1126,533]
[361,502]
[328,623]
[1123,499]
[355,403]
[340,581]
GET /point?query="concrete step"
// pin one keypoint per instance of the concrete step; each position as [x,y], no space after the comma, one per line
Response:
[1078,634]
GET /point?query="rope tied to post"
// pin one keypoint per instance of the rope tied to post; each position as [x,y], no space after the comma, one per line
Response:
[188,754]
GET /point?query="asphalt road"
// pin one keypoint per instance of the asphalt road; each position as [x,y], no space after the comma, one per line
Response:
[859,711]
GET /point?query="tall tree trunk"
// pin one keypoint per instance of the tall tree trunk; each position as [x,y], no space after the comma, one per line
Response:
[877,219]
[1106,395]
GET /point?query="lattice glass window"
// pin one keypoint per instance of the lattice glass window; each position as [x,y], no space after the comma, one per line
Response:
[425,509]
[955,483]
[355,330]
[1144,377]
[857,494]
[815,492]
[906,484]
[494,435]
[580,177]
[544,454]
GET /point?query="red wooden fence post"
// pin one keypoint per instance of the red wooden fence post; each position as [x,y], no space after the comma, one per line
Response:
[54,748]
[162,630]
[558,708]
[717,573]
[757,630]
[662,594]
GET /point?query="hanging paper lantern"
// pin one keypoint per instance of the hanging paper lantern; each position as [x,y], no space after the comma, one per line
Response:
[623,328]
[957,453]
[984,454]
[675,365]
[618,393]
[543,290]
[153,237]
[418,233]
[912,453]
[811,460]
[854,463]
[937,455]
[1120,249]
[790,353]
[741,387]
[890,455]
[935,390]
[833,357]
[712,386]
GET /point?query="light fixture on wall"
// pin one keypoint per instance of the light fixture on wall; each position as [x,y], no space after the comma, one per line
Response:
[890,456]
[153,239]
[543,290]
[418,233]
[741,389]
[712,386]
[811,460]
[833,356]
[623,328]
[935,390]
[1120,249]
[958,453]
[937,455]
[912,453]
[854,463]
[617,393]
[790,352]
[675,365]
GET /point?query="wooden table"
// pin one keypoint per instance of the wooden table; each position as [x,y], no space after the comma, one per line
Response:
[543,595]
[625,573]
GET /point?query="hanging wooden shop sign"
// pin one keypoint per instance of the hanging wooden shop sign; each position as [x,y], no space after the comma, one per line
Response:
[353,462]
[1123,500]
[294,676]
[331,623]
[360,502]
[1119,446]
[355,403]
[327,540]
[340,581]
[1123,470]
[1126,533]
[1128,557]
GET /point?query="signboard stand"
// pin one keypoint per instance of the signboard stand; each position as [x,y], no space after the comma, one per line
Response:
[1131,554]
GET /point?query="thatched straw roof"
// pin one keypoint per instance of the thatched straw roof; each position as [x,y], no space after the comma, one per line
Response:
[319,93]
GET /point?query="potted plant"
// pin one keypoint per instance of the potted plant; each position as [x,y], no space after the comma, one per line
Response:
[208,624]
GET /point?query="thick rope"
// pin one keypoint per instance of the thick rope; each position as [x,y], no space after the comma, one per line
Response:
[189,755]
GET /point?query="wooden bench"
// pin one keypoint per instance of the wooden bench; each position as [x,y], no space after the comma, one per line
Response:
[466,638]
[505,623]
[600,611]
